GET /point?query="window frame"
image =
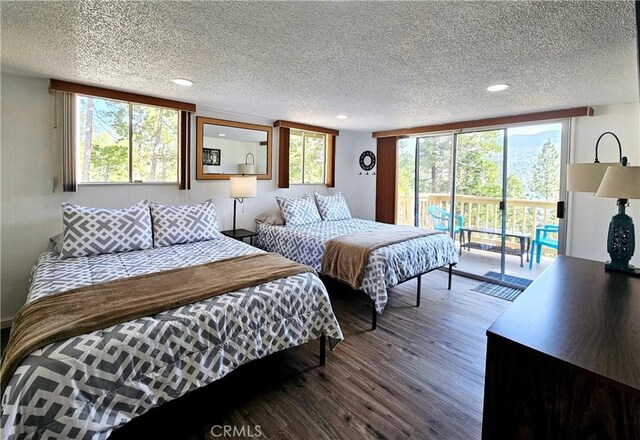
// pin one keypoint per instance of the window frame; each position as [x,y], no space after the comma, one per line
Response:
[324,162]
[78,96]
[284,150]
[65,91]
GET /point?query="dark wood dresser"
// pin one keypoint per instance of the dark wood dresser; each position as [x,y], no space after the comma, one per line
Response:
[563,362]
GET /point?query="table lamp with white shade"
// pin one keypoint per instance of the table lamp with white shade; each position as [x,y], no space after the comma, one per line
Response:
[247,168]
[622,183]
[242,187]
[586,177]
[616,180]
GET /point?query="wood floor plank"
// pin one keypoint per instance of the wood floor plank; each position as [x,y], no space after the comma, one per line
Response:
[419,375]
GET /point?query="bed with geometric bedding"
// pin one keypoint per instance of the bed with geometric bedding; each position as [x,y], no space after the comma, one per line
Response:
[387,266]
[86,386]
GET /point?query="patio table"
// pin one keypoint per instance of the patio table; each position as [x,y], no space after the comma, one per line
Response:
[525,241]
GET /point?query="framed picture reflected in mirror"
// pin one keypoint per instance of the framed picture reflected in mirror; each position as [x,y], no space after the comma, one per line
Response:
[211,156]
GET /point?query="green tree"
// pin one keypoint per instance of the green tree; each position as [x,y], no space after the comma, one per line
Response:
[314,161]
[479,164]
[109,162]
[105,128]
[434,153]
[309,148]
[406,166]
[546,173]
[295,157]
[155,134]
[515,188]
[87,123]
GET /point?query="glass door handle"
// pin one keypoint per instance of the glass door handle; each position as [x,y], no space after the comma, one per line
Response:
[501,206]
[560,209]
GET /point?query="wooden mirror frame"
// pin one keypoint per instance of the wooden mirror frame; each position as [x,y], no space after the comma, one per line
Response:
[201,120]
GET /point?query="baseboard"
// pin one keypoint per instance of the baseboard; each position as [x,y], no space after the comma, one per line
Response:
[6,323]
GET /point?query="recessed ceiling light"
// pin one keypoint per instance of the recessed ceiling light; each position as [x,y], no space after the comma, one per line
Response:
[342,116]
[498,87]
[183,82]
[221,134]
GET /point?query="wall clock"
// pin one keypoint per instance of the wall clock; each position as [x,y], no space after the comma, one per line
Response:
[367,160]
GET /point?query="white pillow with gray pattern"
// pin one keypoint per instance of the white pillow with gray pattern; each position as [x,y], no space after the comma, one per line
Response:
[333,207]
[184,223]
[95,231]
[298,211]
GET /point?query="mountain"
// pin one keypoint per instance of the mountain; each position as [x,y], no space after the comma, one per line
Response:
[524,144]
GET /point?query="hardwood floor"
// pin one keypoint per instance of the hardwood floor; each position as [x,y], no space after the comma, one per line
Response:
[419,375]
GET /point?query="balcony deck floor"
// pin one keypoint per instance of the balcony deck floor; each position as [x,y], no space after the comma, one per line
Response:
[479,262]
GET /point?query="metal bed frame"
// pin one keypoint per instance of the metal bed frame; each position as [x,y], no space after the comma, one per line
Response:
[374,314]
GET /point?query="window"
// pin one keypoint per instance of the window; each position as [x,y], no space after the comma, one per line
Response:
[114,136]
[307,157]
[306,154]
[123,142]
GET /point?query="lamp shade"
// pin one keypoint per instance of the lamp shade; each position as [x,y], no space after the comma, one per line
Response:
[620,183]
[586,177]
[246,168]
[243,187]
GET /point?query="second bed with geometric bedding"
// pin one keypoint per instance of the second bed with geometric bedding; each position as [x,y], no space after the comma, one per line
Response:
[387,266]
[86,386]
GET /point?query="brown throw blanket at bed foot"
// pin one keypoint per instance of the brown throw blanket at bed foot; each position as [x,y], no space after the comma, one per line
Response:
[345,258]
[86,309]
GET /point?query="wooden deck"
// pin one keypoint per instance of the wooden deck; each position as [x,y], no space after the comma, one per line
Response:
[419,375]
[480,262]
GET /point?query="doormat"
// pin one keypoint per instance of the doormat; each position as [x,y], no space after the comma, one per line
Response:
[503,292]
[509,279]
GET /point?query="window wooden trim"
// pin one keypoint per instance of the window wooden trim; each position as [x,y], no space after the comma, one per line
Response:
[488,122]
[306,127]
[70,182]
[284,137]
[330,178]
[283,157]
[100,92]
[184,151]
[386,175]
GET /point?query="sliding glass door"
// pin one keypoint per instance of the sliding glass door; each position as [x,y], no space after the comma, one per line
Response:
[479,202]
[425,169]
[495,191]
[533,191]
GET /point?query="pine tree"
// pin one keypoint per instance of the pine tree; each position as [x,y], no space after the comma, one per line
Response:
[546,173]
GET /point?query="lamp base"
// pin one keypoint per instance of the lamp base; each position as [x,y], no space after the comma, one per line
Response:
[621,241]
[629,270]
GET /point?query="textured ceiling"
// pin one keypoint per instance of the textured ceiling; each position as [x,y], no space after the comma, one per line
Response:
[386,65]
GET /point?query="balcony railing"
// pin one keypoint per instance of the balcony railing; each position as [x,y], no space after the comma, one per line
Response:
[522,215]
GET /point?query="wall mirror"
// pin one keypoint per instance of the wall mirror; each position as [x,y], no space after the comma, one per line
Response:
[229,148]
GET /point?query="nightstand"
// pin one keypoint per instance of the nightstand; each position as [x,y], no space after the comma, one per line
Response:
[240,234]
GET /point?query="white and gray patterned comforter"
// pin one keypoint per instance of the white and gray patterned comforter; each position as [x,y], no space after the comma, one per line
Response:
[387,266]
[86,386]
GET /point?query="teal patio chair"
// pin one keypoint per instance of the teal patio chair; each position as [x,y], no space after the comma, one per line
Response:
[543,239]
[441,219]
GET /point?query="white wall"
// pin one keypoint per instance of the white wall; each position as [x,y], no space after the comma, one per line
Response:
[359,190]
[588,215]
[30,210]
